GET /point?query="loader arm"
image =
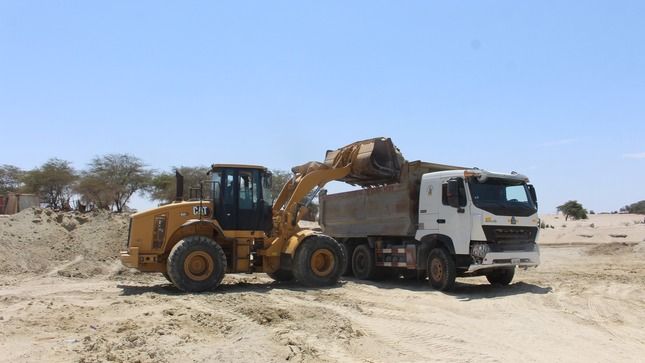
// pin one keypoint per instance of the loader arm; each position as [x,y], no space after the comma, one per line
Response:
[286,213]
[369,162]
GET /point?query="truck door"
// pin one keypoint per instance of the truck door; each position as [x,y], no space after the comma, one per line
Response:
[454,214]
[429,202]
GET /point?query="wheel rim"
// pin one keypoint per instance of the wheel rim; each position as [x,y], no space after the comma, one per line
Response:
[322,262]
[360,263]
[199,266]
[436,270]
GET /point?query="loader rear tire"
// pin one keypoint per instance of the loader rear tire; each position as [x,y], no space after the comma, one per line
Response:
[318,261]
[441,269]
[196,264]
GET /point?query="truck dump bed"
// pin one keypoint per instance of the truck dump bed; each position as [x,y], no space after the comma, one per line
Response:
[389,210]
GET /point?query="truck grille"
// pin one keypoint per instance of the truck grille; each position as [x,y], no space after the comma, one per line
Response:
[510,234]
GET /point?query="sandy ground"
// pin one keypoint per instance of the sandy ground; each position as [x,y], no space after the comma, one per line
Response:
[64,297]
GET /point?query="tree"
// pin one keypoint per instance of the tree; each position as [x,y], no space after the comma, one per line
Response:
[573,209]
[163,185]
[54,181]
[10,178]
[112,179]
[635,208]
[279,179]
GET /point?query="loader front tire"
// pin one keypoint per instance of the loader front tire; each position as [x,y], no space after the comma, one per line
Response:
[318,261]
[281,275]
[196,264]
[441,269]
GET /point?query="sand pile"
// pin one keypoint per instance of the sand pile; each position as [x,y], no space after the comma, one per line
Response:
[70,243]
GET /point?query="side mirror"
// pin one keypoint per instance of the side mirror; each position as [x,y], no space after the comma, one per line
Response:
[453,193]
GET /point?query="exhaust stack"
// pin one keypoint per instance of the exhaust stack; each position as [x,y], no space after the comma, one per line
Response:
[180,186]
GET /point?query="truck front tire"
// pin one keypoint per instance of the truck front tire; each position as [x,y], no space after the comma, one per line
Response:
[501,276]
[196,264]
[319,261]
[441,269]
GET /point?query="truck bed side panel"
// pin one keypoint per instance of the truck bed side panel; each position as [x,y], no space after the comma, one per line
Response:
[382,211]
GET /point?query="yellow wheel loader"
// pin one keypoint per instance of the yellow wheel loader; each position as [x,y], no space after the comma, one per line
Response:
[232,226]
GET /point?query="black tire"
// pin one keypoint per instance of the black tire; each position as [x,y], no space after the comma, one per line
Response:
[281,275]
[318,261]
[501,276]
[196,264]
[363,263]
[167,277]
[441,269]
[348,249]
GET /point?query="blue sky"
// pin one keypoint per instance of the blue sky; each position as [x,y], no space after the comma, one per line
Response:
[551,89]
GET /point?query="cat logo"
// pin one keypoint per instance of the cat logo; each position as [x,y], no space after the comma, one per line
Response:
[201,211]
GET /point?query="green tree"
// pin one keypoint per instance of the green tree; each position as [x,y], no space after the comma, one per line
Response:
[163,186]
[279,179]
[54,181]
[10,178]
[635,208]
[573,209]
[111,180]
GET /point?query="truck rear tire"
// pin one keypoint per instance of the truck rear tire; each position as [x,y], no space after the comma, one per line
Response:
[363,263]
[348,249]
[441,269]
[318,261]
[196,264]
[501,276]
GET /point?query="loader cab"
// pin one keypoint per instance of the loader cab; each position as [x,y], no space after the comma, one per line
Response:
[241,197]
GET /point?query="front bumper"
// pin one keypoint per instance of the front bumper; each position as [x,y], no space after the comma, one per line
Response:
[507,259]
[130,258]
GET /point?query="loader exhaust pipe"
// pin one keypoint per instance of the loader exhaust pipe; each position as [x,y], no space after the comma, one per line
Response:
[180,186]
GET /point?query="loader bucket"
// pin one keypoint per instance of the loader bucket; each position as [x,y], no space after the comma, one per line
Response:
[374,162]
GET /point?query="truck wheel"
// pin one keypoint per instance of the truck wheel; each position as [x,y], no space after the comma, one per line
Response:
[196,264]
[441,269]
[348,248]
[363,263]
[319,261]
[501,276]
[281,275]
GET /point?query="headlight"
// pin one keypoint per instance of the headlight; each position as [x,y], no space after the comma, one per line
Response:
[480,250]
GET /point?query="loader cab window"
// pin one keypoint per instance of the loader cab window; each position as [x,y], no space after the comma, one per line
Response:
[240,205]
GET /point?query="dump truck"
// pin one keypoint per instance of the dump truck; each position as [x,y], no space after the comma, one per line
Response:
[231,225]
[438,221]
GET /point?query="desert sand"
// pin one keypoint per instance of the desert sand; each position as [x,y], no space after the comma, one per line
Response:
[64,297]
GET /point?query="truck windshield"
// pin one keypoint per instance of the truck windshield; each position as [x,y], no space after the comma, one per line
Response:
[502,197]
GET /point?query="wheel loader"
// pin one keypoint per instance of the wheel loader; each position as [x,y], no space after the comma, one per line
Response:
[230,224]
